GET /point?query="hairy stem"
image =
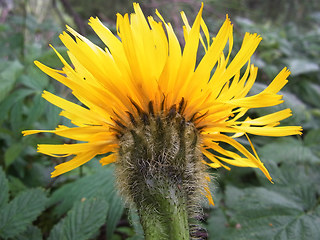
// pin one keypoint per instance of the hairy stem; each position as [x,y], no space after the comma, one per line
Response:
[170,221]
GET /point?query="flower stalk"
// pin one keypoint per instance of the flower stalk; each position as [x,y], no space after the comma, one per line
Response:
[170,221]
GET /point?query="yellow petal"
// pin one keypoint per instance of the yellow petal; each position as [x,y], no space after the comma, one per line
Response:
[243,150]
[108,159]
[272,131]
[74,109]
[72,164]
[72,149]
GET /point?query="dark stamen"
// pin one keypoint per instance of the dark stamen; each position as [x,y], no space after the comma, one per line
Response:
[201,116]
[132,119]
[200,128]
[151,111]
[193,116]
[181,106]
[139,110]
[162,103]
[116,130]
[119,123]
[117,115]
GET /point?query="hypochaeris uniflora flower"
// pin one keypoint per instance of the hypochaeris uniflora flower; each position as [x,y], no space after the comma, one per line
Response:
[148,102]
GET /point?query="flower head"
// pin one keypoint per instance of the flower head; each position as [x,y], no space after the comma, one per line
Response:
[144,74]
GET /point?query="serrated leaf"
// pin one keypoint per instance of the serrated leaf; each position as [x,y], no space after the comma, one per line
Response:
[12,153]
[4,189]
[100,184]
[274,214]
[114,214]
[16,186]
[288,175]
[264,214]
[287,150]
[288,209]
[21,212]
[82,221]
[32,233]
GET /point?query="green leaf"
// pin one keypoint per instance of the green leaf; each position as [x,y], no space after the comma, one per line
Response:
[118,237]
[9,72]
[301,66]
[312,137]
[82,221]
[265,214]
[32,233]
[52,115]
[37,109]
[16,117]
[4,189]
[135,222]
[135,237]
[12,153]
[114,214]
[21,212]
[287,150]
[126,230]
[287,209]
[50,58]
[217,226]
[101,184]
[308,92]
[16,186]
[291,177]
[34,78]
[16,96]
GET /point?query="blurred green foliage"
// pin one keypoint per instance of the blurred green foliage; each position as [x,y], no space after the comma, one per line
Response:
[83,204]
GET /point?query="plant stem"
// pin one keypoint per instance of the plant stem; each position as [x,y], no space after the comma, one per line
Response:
[170,221]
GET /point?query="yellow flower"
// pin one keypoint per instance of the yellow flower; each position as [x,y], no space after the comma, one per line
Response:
[144,72]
